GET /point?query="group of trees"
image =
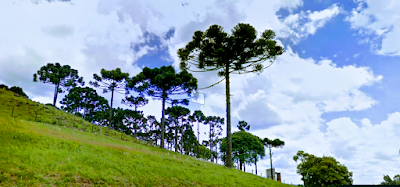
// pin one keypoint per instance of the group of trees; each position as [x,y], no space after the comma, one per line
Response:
[388,181]
[212,50]
[240,52]
[15,89]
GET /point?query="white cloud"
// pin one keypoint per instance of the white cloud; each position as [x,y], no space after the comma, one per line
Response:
[307,23]
[379,22]
[286,101]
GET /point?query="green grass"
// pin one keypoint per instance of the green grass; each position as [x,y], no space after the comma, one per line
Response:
[54,152]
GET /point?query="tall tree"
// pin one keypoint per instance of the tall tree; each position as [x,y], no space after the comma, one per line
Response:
[162,83]
[244,144]
[214,122]
[272,144]
[189,141]
[238,53]
[63,78]
[110,81]
[325,171]
[154,129]
[198,117]
[135,121]
[177,116]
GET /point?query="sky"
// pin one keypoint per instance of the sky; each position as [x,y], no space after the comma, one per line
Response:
[334,91]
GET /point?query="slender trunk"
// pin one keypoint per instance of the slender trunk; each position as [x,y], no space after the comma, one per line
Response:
[212,156]
[162,122]
[55,94]
[255,163]
[176,138]
[270,158]
[228,119]
[112,98]
[240,165]
[244,167]
[198,139]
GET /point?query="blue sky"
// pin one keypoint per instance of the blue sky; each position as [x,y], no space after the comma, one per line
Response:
[333,92]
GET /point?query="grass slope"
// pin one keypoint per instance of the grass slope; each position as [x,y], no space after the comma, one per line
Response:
[63,150]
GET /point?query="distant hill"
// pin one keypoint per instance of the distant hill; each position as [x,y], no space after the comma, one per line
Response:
[44,146]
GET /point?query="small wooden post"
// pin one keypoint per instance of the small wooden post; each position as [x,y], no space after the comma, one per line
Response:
[12,112]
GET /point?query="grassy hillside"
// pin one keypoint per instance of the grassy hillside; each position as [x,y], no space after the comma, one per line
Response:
[63,150]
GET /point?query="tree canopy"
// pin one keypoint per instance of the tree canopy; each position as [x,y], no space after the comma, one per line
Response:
[326,171]
[237,53]
[244,146]
[162,83]
[84,102]
[63,77]
[243,126]
[388,181]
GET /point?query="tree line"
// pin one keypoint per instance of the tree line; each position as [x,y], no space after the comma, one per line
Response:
[243,51]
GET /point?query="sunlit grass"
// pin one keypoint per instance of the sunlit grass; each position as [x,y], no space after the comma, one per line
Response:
[47,154]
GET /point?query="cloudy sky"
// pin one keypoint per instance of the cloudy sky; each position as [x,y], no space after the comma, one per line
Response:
[333,92]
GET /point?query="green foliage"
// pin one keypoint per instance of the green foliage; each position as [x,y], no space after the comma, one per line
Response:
[15,89]
[135,101]
[84,102]
[240,52]
[243,126]
[204,152]
[40,154]
[244,146]
[3,86]
[18,91]
[215,124]
[63,77]
[325,171]
[162,83]
[110,80]
[388,181]
[177,121]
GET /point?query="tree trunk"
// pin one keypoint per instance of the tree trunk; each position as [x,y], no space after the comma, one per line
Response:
[112,98]
[212,156]
[176,138]
[198,139]
[270,158]
[240,165]
[55,94]
[162,122]
[244,167]
[255,163]
[228,119]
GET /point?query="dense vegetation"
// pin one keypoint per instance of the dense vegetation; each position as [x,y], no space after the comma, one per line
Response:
[65,150]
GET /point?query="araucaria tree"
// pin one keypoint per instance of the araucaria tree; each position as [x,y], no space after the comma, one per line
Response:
[110,81]
[162,83]
[325,171]
[63,78]
[270,144]
[238,53]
